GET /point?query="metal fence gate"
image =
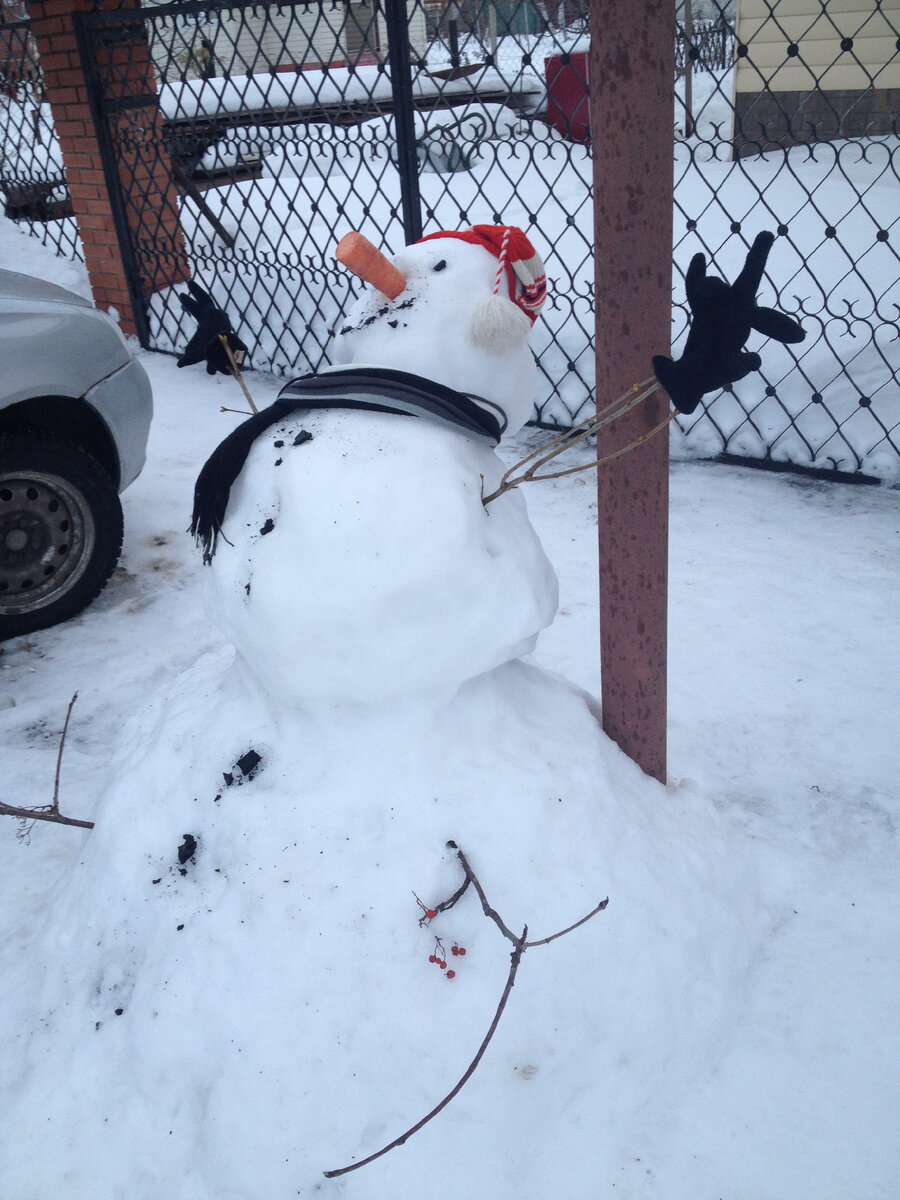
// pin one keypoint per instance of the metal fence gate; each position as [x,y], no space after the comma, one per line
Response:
[272,130]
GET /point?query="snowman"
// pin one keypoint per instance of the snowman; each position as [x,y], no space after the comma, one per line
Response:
[253,975]
[369,479]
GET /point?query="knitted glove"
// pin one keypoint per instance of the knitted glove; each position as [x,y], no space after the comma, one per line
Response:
[722,316]
[205,344]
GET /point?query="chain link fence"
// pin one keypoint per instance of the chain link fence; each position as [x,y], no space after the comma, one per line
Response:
[283,127]
[33,187]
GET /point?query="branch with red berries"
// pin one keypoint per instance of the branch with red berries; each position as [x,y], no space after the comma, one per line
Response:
[520,944]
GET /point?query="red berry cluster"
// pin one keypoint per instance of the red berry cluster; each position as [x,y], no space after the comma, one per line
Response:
[439,956]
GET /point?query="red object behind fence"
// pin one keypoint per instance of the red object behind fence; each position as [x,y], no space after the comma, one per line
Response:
[568,95]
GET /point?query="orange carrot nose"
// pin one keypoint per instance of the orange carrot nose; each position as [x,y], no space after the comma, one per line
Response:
[365,260]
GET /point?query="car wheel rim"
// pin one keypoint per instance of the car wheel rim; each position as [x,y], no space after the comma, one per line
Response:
[46,540]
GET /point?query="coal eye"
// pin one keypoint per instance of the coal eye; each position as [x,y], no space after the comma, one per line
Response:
[439,266]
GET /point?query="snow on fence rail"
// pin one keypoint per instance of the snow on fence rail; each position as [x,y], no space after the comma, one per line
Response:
[339,89]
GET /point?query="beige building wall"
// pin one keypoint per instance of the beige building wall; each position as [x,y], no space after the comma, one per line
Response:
[770,29]
[809,71]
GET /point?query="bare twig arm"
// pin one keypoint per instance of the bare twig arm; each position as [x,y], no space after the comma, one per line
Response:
[584,429]
[236,370]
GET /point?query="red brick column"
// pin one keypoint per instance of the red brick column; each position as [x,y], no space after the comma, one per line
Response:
[154,224]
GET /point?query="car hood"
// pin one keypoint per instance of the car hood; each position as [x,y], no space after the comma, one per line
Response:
[14,286]
[53,342]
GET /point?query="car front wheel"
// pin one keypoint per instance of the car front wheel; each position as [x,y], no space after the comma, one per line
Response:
[60,532]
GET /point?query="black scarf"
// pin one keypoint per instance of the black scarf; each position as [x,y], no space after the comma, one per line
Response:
[375,389]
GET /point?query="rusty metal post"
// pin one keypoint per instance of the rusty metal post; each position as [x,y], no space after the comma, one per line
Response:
[632,67]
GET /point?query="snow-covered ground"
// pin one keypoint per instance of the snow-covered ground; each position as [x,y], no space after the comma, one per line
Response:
[725,1028]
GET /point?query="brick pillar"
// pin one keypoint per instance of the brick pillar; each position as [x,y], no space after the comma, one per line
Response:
[151,210]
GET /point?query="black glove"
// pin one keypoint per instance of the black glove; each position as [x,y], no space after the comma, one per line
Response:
[205,344]
[722,317]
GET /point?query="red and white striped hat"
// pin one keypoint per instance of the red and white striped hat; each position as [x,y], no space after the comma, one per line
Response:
[526,278]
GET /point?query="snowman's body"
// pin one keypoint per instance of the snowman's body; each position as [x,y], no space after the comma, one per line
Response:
[399,580]
[266,1010]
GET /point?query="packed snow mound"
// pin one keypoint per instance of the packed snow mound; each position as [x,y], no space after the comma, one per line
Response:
[362,563]
[241,976]
[243,993]
[244,990]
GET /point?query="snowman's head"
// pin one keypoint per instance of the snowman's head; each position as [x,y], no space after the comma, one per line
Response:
[463,305]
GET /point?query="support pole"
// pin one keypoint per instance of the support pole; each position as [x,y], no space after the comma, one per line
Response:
[632,69]
[688,69]
[397,21]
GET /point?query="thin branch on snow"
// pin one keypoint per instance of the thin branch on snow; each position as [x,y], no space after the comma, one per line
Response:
[520,945]
[514,959]
[49,812]
[472,878]
[486,908]
[42,814]
[553,936]
[62,744]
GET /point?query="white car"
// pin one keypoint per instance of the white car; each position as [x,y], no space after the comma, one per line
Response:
[75,411]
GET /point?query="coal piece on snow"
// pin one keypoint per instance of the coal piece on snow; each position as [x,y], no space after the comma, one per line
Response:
[187,849]
[244,769]
[248,763]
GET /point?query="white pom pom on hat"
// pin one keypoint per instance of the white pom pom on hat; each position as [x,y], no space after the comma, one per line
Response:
[500,323]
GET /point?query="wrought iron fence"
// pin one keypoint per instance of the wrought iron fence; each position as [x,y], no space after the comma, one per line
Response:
[285,127]
[282,127]
[705,45]
[33,185]
[801,137]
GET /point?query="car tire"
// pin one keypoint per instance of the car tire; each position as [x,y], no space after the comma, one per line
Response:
[60,532]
